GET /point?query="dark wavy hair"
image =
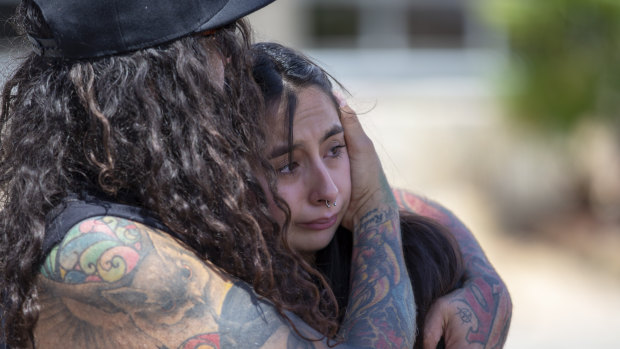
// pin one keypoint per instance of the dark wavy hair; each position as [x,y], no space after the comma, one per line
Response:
[432,256]
[155,128]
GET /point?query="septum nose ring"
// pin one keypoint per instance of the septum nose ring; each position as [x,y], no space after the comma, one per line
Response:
[328,205]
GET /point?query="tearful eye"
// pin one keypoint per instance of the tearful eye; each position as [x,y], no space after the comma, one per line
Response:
[288,168]
[336,151]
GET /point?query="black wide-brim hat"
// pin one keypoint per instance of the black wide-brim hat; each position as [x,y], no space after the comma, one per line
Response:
[95,28]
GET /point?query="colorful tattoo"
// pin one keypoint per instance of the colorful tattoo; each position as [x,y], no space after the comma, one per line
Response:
[98,250]
[203,341]
[378,295]
[111,279]
[484,296]
[117,283]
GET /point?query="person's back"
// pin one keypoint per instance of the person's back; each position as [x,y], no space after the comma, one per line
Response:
[114,280]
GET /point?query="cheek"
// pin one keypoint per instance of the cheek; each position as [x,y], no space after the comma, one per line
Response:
[290,194]
[275,212]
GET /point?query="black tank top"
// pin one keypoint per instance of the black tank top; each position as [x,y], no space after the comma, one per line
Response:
[78,207]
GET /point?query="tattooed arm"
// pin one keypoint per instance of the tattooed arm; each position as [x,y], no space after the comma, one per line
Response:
[381,308]
[476,315]
[113,283]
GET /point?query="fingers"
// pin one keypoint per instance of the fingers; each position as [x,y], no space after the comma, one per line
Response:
[367,180]
[435,324]
[358,143]
[349,120]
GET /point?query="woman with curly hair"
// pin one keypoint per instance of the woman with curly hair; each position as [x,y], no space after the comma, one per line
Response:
[308,151]
[133,210]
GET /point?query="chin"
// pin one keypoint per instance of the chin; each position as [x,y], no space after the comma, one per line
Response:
[312,244]
[310,247]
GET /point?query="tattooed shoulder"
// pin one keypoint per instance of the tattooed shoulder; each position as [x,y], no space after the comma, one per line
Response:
[97,250]
[112,281]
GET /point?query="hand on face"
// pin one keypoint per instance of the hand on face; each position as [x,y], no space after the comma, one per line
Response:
[369,185]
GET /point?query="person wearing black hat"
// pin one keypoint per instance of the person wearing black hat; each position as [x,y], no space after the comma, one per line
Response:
[133,210]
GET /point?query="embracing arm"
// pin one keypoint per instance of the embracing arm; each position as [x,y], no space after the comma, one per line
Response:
[117,283]
[476,315]
[381,310]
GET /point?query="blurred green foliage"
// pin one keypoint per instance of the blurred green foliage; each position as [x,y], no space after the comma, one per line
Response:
[564,59]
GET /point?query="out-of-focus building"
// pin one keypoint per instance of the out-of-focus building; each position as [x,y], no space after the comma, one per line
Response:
[368,24]
[357,24]
[396,43]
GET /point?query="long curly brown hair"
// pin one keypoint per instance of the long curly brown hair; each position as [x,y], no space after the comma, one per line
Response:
[154,128]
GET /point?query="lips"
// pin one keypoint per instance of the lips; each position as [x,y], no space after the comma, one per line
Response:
[320,224]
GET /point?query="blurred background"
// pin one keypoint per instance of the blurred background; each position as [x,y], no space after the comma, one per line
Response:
[505,111]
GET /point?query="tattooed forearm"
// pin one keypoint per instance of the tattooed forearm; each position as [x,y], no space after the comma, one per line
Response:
[374,218]
[470,248]
[485,305]
[381,310]
[484,298]
[464,314]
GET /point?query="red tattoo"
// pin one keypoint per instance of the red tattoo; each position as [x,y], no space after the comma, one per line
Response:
[203,341]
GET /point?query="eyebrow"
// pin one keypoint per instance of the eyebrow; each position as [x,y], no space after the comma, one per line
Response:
[336,129]
[282,149]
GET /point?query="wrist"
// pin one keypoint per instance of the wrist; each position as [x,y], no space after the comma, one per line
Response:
[381,198]
[372,215]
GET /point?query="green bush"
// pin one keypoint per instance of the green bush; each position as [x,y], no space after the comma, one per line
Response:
[564,59]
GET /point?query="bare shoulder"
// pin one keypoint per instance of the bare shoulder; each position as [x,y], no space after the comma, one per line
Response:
[112,282]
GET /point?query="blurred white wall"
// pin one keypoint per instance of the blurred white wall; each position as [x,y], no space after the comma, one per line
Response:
[281,21]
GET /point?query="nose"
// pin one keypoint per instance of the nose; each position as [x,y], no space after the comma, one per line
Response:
[323,186]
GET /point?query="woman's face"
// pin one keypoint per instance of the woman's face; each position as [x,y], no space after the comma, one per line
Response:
[318,171]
